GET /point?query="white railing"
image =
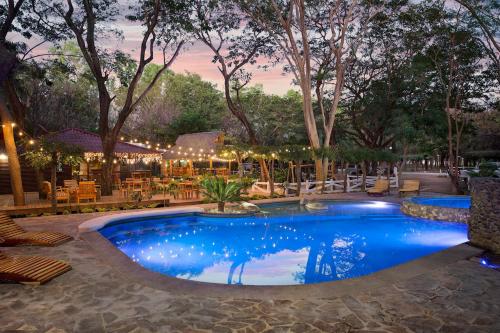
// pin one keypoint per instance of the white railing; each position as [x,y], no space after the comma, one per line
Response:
[354,182]
[330,186]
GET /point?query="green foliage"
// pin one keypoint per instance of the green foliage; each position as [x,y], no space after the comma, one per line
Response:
[292,153]
[101,209]
[153,205]
[41,155]
[177,104]
[485,170]
[221,191]
[87,210]
[278,120]
[280,175]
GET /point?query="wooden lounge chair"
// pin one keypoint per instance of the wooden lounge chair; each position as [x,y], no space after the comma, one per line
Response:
[86,191]
[14,235]
[381,187]
[32,270]
[410,186]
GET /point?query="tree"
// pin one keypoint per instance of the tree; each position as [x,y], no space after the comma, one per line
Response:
[58,93]
[27,18]
[86,20]
[277,119]
[317,39]
[178,104]
[51,154]
[235,43]
[487,16]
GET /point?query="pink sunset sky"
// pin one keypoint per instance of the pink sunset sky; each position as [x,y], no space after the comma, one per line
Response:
[194,58]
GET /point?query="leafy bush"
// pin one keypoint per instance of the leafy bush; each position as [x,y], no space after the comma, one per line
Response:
[485,170]
[220,191]
[87,210]
[153,205]
[102,209]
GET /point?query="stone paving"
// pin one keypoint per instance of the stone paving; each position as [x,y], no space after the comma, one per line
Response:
[93,297]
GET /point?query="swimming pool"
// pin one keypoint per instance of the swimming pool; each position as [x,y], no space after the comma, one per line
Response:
[449,202]
[287,246]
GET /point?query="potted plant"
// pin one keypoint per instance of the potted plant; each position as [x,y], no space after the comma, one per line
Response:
[219,190]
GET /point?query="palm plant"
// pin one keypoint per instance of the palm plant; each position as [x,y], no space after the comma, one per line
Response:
[221,191]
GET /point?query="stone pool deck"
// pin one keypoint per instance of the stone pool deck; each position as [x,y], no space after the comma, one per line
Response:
[462,296]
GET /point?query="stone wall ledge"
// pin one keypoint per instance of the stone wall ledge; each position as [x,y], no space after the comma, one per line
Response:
[437,213]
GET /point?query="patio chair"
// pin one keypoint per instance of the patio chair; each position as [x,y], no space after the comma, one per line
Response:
[410,186]
[72,186]
[62,194]
[86,191]
[381,187]
[31,270]
[13,235]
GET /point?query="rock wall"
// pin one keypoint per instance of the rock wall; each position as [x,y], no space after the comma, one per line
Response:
[435,212]
[484,222]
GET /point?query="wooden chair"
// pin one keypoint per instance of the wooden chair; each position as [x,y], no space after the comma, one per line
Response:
[381,187]
[62,194]
[410,186]
[71,183]
[86,191]
[31,270]
[13,235]
[72,186]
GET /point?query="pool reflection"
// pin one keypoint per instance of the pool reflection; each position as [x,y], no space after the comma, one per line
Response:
[289,246]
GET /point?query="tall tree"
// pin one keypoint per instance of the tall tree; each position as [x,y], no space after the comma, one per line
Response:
[235,43]
[27,18]
[317,39]
[87,20]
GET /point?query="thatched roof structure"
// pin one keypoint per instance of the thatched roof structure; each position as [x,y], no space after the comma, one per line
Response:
[195,146]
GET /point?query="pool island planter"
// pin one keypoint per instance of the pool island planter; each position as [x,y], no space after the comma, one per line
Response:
[437,213]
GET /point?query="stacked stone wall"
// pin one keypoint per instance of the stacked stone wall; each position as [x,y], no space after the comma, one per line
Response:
[484,222]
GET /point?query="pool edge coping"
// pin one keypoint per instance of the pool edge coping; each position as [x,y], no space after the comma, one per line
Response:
[133,271]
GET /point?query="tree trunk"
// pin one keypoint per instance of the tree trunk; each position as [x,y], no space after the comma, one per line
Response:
[363,182]
[240,166]
[271,178]
[310,124]
[264,171]
[39,183]
[53,183]
[220,206]
[18,108]
[107,166]
[16,181]
[298,176]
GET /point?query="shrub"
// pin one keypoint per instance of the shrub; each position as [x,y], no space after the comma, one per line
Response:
[220,191]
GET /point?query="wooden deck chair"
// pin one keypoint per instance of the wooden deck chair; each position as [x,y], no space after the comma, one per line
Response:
[32,270]
[86,191]
[14,235]
[410,186]
[381,187]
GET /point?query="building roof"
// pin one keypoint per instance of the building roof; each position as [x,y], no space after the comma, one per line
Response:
[91,143]
[195,145]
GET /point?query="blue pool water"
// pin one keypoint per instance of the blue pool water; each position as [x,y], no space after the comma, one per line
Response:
[288,246]
[451,202]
